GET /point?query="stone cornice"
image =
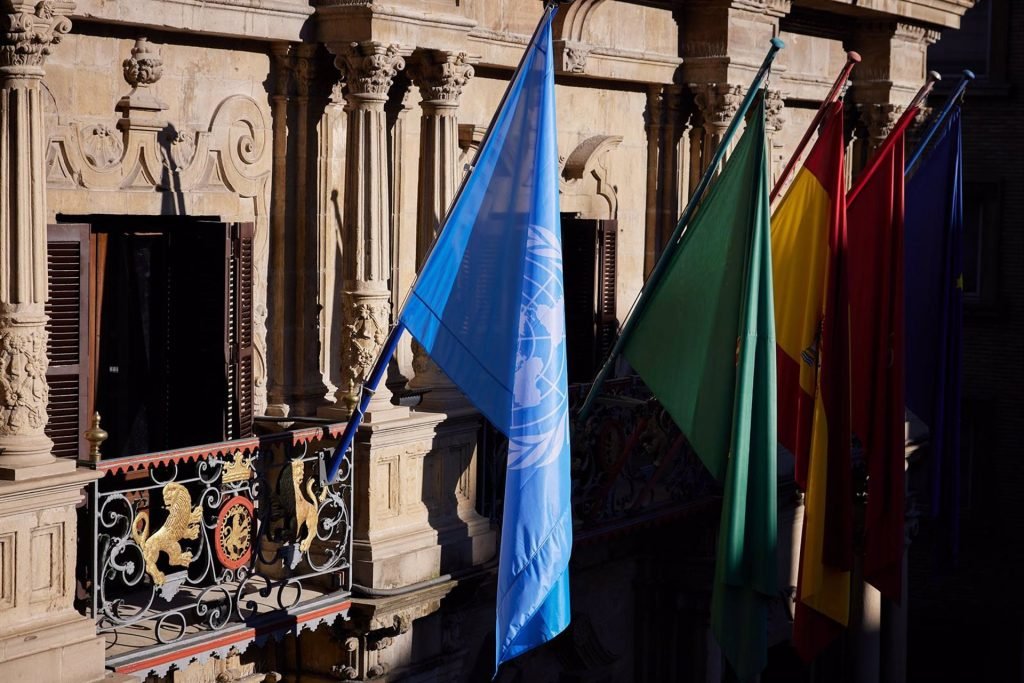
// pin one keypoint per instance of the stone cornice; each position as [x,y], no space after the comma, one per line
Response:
[250,19]
[938,13]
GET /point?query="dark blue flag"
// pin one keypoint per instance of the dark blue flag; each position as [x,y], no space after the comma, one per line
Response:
[489,309]
[933,291]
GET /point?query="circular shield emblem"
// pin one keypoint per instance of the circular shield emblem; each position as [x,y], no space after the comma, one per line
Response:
[233,535]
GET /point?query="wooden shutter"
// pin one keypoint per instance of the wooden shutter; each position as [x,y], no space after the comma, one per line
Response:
[238,290]
[606,321]
[67,260]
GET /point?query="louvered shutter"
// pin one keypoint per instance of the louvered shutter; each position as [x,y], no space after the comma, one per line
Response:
[239,337]
[607,323]
[68,336]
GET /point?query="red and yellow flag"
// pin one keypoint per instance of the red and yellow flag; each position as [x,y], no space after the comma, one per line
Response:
[812,330]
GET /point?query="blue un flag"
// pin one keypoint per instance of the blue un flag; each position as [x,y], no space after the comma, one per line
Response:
[489,309]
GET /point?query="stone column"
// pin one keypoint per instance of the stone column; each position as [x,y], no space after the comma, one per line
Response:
[652,121]
[440,75]
[30,30]
[368,69]
[278,333]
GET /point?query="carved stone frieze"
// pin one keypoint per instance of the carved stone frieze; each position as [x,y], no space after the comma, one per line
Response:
[23,388]
[101,145]
[230,155]
[441,75]
[144,67]
[27,36]
[370,67]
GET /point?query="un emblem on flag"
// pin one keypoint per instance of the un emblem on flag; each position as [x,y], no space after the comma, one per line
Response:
[539,429]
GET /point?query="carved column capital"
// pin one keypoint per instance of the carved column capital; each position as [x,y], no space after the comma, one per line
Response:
[879,120]
[304,69]
[28,33]
[717,102]
[441,75]
[369,68]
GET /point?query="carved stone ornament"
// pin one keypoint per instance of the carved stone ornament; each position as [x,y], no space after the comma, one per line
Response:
[441,75]
[27,36]
[369,68]
[366,334]
[144,67]
[880,119]
[102,146]
[183,149]
[23,388]
[182,523]
[774,104]
[574,56]
[718,102]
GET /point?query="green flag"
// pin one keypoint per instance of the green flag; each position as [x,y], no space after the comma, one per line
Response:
[704,343]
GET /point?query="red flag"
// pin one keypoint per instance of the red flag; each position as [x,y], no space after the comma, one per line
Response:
[875,241]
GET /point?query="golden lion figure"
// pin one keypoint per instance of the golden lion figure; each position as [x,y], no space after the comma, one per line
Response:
[307,507]
[183,522]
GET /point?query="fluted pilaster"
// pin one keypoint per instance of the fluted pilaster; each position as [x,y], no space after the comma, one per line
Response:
[29,33]
[440,76]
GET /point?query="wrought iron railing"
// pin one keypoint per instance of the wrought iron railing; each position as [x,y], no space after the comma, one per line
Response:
[630,463]
[221,542]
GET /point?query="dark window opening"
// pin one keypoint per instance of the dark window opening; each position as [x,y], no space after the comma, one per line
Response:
[589,268]
[164,317]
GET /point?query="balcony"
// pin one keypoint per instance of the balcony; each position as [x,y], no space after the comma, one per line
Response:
[195,551]
[631,466]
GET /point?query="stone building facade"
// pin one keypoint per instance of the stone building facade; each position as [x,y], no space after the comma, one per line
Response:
[209,213]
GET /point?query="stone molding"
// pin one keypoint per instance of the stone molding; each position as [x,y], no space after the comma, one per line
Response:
[29,32]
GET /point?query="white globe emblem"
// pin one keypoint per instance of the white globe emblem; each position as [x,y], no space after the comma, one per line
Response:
[539,429]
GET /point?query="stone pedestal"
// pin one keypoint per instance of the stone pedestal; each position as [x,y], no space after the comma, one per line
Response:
[42,637]
[415,500]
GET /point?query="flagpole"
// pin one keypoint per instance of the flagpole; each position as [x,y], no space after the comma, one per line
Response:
[901,124]
[387,349]
[965,80]
[691,207]
[852,60]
